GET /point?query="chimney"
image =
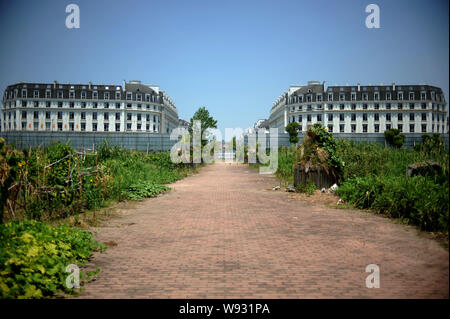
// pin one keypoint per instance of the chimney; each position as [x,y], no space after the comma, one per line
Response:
[359,87]
[54,84]
[393,86]
[90,85]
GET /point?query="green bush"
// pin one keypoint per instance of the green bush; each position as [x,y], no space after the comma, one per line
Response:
[394,137]
[417,200]
[34,256]
[142,190]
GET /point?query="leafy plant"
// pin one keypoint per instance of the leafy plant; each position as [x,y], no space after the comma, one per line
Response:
[394,137]
[293,129]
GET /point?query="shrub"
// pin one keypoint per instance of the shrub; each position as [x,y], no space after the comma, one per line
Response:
[34,256]
[292,129]
[394,137]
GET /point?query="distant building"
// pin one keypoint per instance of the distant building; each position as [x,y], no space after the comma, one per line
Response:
[133,107]
[362,109]
[183,123]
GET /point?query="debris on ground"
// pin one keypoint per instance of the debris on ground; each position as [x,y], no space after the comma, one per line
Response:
[333,188]
[323,190]
[276,188]
[290,188]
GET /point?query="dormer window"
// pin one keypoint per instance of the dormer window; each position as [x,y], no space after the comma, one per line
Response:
[353,97]
[129,96]
[60,94]
[300,99]
[117,95]
[36,94]
[433,95]
[308,97]
[106,96]
[319,97]
[388,96]
[48,94]
[95,95]
[365,96]
[330,96]
[342,97]
[400,95]
[411,95]
[139,97]
[376,96]
[71,94]
[83,94]
[147,97]
[24,93]
[423,96]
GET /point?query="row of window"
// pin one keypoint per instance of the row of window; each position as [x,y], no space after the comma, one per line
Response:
[106,116]
[375,106]
[376,128]
[330,116]
[84,95]
[364,96]
[72,126]
[84,105]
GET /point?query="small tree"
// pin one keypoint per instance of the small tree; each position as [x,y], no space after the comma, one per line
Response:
[292,129]
[207,121]
[394,137]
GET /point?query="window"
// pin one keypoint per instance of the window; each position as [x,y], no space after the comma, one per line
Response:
[139,97]
[308,98]
[129,96]
[353,117]
[94,127]
[376,117]
[341,128]
[353,126]
[342,97]
[319,97]
[71,95]
[330,106]
[47,126]
[308,117]
[411,116]
[128,116]
[83,94]
[365,96]
[83,115]
[411,95]
[377,128]
[59,115]
[129,105]
[353,106]
[117,127]
[388,116]
[400,95]
[353,96]
[341,106]
[59,126]
[71,115]
[139,117]
[376,96]
[388,96]
[83,105]
[139,106]
[377,106]
[72,105]
[117,116]
[48,94]
[364,116]
[411,106]
[36,104]
[400,127]
[83,127]
[424,128]
[106,116]
[117,105]
[299,118]
[388,106]
[388,126]
[106,127]
[423,96]
[139,126]
[330,117]
[341,117]
[24,103]
[106,105]
[47,115]
[95,105]
[94,115]
[330,128]
[330,96]
[24,115]
[60,94]
[106,96]
[423,106]
[364,128]
[424,116]
[36,94]
[117,95]
[364,106]
[319,117]
[128,126]
[400,106]
[308,107]
[24,93]
[400,116]
[95,95]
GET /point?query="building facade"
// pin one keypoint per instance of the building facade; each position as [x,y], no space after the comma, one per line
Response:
[361,109]
[133,107]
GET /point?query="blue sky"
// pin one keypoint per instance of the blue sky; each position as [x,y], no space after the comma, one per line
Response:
[234,57]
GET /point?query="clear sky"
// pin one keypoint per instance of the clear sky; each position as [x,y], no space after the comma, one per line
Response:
[234,57]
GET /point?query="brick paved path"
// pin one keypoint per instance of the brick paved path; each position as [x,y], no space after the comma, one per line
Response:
[223,234]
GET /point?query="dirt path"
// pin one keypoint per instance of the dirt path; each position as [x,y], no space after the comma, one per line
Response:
[223,234]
